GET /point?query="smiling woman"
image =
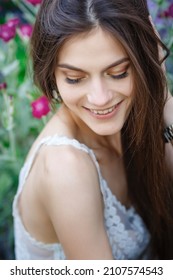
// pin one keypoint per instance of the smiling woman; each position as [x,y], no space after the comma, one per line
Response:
[99,80]
[96,179]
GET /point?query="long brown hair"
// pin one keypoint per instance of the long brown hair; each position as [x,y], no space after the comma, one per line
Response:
[144,154]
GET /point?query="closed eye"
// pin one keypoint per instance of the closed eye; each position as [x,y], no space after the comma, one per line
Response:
[120,76]
[73,81]
[120,73]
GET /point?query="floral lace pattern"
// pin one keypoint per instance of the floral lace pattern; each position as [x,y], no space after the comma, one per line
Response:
[127,233]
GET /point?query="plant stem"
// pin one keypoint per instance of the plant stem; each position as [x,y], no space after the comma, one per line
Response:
[9,125]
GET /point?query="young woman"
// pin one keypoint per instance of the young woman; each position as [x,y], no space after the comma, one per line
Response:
[97,181]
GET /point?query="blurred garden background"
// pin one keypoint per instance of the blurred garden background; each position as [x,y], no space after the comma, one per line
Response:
[23,109]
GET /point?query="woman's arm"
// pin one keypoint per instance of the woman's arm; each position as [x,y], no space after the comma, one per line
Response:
[168,110]
[168,119]
[74,204]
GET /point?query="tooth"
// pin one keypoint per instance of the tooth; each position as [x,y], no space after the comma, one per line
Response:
[103,112]
[110,110]
[106,111]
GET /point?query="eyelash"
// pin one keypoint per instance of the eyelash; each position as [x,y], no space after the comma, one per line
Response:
[117,77]
[121,76]
[73,81]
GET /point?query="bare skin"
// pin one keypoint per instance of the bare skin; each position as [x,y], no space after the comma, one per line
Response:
[47,197]
[62,191]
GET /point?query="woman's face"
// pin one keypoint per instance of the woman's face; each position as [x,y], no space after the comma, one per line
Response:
[95,81]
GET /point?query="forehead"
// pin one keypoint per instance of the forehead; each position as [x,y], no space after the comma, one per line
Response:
[97,47]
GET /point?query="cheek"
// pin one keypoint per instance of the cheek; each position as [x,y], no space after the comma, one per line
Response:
[63,89]
[128,88]
[69,94]
[123,87]
[129,93]
[128,107]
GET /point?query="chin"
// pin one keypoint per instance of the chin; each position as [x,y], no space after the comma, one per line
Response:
[108,131]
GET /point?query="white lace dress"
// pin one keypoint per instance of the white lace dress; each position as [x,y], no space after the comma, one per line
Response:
[127,233]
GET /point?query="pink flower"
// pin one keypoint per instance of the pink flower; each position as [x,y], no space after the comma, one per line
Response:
[40,107]
[8,29]
[3,86]
[13,22]
[6,32]
[168,12]
[34,2]
[26,30]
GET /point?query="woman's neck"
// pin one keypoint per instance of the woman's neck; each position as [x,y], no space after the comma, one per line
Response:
[85,135]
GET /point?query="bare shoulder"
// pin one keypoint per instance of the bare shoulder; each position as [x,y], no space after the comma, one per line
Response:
[69,172]
[74,203]
[65,161]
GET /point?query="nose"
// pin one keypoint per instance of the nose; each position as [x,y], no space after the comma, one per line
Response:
[99,94]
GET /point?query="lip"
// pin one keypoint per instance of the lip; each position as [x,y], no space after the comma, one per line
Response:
[104,116]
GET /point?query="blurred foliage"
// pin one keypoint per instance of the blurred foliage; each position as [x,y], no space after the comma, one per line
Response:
[162,14]
[18,127]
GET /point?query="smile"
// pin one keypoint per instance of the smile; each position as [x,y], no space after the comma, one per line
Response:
[104,112]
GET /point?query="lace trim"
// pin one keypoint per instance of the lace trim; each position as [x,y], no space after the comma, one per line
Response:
[127,233]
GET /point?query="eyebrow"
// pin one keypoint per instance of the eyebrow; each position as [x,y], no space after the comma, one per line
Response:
[70,67]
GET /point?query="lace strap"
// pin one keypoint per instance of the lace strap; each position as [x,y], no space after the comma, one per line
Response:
[56,140]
